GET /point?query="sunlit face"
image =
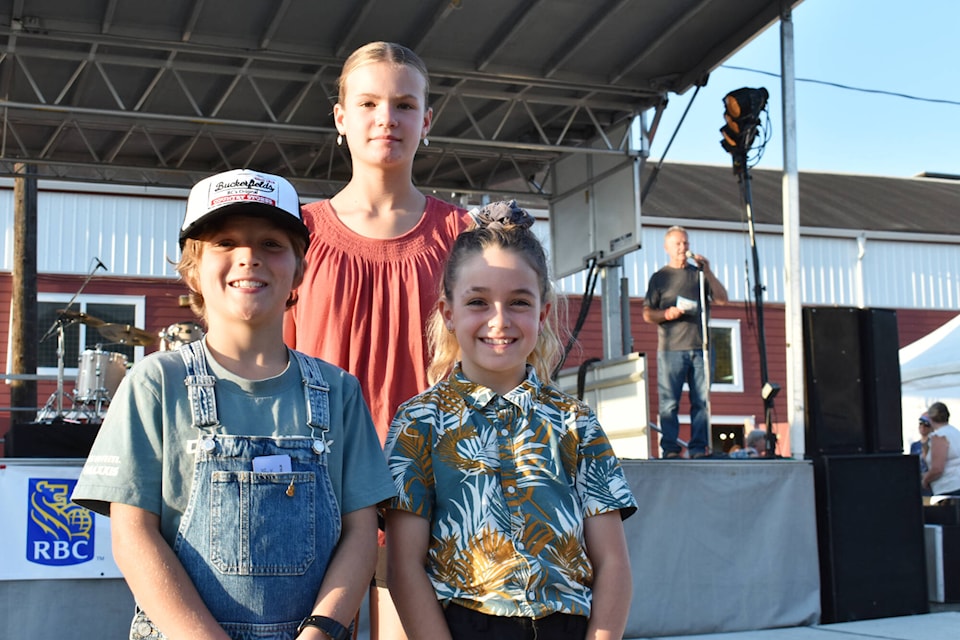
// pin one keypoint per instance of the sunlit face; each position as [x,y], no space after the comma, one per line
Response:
[246,273]
[496,312]
[383,115]
[676,244]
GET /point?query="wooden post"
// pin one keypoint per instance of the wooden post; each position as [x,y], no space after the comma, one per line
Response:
[23,303]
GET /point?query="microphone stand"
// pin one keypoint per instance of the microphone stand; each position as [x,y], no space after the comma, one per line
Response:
[769,389]
[59,326]
[705,338]
[683,443]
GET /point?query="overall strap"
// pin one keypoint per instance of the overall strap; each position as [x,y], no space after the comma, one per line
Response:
[317,393]
[203,402]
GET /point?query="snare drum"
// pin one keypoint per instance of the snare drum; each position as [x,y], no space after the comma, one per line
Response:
[99,374]
[179,334]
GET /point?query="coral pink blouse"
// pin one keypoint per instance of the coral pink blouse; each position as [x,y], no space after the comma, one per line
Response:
[364,302]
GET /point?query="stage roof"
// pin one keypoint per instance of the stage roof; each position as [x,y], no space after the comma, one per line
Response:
[163,93]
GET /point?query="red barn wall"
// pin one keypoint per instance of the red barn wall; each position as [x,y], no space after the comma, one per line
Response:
[163,309]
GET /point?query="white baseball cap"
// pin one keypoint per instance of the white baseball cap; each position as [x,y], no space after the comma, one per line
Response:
[246,192]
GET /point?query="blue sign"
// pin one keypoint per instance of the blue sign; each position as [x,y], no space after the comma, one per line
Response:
[59,532]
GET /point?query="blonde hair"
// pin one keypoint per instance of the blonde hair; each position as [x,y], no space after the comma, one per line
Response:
[189,265]
[383,52]
[443,345]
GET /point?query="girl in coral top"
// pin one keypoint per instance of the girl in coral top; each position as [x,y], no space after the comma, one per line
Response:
[377,250]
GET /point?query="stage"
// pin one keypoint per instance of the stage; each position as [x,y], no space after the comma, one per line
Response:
[722,545]
[717,545]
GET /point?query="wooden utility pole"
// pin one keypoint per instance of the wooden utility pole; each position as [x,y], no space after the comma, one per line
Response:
[23,304]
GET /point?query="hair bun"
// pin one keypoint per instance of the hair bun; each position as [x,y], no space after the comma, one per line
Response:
[502,215]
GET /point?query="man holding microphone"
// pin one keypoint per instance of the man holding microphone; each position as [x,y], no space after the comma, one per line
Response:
[673,303]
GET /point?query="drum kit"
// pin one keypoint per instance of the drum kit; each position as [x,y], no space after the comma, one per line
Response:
[99,372]
[179,334]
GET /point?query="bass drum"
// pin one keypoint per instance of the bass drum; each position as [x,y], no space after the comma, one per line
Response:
[99,374]
[179,334]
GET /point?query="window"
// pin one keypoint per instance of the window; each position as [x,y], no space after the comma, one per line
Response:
[726,353]
[78,336]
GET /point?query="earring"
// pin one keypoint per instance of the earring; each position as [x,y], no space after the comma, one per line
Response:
[339,140]
[426,142]
[450,329]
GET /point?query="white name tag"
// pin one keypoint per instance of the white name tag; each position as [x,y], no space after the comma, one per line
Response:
[272,464]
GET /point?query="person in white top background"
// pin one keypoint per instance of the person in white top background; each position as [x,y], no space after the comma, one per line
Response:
[943,453]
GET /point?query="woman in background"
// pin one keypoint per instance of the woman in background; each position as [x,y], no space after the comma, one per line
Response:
[943,453]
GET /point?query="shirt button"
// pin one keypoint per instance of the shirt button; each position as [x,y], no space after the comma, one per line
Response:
[531,595]
[511,490]
[504,433]
[519,546]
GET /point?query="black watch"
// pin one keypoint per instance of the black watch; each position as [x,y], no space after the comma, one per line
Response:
[329,626]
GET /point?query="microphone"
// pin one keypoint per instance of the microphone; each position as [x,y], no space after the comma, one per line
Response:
[689,254]
[692,256]
[100,265]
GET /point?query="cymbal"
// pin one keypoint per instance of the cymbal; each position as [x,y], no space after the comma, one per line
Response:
[126,334]
[80,316]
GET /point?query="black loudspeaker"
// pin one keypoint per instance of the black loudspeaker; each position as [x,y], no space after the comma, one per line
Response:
[852,374]
[834,390]
[871,537]
[883,413]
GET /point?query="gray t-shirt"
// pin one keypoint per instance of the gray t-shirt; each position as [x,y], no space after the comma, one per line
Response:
[144,453]
[672,286]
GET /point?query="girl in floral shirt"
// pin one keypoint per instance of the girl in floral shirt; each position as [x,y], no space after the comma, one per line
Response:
[508,522]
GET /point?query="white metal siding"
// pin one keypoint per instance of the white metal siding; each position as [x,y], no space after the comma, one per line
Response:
[136,235]
[896,273]
[827,271]
[920,275]
[131,235]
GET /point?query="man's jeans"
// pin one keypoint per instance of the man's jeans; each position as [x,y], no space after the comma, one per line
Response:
[673,369]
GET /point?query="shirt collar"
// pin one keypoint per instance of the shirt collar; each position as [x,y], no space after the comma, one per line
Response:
[479,396]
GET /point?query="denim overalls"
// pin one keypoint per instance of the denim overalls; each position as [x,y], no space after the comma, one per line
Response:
[255,544]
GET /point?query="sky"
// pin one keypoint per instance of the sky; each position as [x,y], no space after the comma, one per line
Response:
[897,47]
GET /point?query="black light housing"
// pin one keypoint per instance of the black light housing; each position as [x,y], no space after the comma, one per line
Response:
[742,109]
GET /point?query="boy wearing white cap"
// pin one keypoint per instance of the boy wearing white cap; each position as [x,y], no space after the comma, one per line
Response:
[241,477]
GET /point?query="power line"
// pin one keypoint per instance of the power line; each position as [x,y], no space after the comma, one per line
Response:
[848,87]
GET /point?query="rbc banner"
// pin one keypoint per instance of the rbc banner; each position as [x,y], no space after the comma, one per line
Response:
[44,535]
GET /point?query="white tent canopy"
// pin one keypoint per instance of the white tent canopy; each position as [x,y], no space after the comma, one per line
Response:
[930,372]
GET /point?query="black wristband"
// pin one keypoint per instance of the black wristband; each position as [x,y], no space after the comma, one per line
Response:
[329,626]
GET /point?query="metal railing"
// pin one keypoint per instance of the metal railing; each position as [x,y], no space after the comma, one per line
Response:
[13,411]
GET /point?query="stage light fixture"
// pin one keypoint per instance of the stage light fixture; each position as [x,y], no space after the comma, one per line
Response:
[742,109]
[769,390]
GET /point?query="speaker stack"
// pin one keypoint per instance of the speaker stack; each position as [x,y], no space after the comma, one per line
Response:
[869,509]
[852,370]
[870,536]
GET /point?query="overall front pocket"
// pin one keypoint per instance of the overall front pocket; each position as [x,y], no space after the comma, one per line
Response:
[263,523]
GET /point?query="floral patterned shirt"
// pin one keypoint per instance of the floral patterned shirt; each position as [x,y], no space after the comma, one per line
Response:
[506,483]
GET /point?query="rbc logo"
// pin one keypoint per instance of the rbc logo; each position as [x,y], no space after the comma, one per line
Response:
[59,533]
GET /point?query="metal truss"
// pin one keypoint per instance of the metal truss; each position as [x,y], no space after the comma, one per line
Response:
[161,94]
[164,112]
